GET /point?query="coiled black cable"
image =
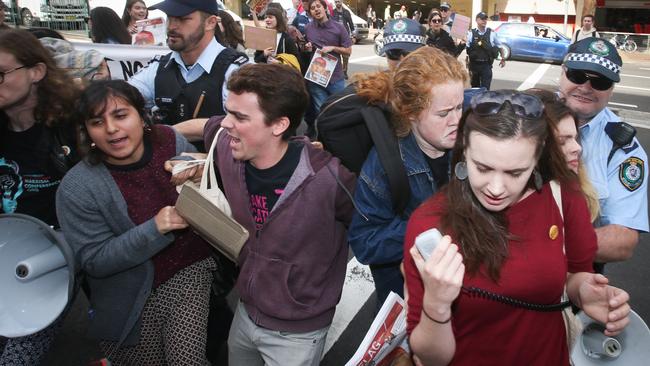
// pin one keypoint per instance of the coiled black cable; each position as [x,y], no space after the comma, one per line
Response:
[479,292]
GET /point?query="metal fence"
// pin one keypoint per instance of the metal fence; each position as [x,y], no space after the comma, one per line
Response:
[53,14]
[628,42]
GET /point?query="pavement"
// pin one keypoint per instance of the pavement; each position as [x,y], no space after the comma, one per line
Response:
[636,57]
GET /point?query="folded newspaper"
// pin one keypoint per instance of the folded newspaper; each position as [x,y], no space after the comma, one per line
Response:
[385,344]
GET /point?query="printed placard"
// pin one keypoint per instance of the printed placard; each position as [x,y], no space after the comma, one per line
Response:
[460,27]
[151,32]
[321,68]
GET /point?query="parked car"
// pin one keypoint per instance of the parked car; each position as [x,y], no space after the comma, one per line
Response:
[532,42]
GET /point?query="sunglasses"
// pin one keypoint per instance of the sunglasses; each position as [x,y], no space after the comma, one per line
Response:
[436,21]
[523,105]
[580,77]
[396,54]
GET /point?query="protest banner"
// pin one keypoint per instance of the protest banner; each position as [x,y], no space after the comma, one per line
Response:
[321,68]
[151,32]
[258,6]
[259,38]
[460,27]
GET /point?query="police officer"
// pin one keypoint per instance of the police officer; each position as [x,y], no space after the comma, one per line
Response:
[185,83]
[482,49]
[614,159]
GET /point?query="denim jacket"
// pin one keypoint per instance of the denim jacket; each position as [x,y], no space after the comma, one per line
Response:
[377,237]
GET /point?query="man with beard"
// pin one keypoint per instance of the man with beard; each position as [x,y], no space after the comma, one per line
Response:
[181,83]
[616,165]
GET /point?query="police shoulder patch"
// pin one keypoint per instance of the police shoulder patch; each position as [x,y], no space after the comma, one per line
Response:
[631,173]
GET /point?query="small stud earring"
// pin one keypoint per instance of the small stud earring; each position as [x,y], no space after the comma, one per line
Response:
[537,180]
[93,145]
[460,170]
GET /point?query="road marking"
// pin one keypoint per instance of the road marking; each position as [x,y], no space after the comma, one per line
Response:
[644,68]
[534,77]
[624,105]
[632,87]
[636,76]
[357,288]
[361,59]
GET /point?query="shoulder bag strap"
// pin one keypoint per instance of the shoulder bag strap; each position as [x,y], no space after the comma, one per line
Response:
[209,176]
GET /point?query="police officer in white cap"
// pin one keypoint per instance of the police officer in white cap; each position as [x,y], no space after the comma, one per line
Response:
[614,158]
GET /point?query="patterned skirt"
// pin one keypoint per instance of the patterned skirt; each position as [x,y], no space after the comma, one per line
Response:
[174,322]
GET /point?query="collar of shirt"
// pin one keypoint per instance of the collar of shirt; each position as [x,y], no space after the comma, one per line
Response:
[325,24]
[205,60]
[596,123]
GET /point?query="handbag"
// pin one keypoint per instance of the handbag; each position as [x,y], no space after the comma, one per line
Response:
[207,211]
[572,324]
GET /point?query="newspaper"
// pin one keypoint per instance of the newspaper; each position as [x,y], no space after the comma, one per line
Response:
[385,344]
[151,32]
[321,68]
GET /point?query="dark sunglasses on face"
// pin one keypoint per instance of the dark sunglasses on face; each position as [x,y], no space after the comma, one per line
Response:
[580,77]
[396,54]
[523,105]
[437,20]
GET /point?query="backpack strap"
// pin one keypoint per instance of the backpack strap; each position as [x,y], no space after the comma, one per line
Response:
[389,156]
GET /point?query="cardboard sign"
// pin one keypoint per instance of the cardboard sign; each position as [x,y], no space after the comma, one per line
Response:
[460,27]
[151,32]
[259,38]
[321,68]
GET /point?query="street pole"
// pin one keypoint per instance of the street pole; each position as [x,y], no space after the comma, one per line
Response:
[566,15]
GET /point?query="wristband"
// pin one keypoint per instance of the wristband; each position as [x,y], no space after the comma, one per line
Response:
[435,321]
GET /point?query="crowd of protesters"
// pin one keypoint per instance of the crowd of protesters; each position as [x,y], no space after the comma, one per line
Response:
[530,192]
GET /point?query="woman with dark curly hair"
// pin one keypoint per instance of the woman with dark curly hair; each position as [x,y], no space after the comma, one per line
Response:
[106,27]
[229,33]
[36,149]
[134,10]
[148,277]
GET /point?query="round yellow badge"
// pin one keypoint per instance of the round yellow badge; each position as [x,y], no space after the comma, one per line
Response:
[553,232]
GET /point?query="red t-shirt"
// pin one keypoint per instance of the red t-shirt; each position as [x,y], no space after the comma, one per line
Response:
[492,333]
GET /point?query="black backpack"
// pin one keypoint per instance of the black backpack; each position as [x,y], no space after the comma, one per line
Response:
[349,127]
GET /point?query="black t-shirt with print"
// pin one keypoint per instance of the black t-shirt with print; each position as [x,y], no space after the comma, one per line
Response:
[440,169]
[265,186]
[27,183]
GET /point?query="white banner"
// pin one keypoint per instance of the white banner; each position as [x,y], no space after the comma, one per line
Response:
[124,60]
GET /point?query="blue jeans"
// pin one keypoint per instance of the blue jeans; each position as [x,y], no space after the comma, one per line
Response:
[387,279]
[318,95]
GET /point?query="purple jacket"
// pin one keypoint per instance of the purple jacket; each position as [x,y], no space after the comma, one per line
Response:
[292,269]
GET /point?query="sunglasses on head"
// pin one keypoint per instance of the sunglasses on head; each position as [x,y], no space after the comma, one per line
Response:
[437,20]
[523,105]
[580,77]
[396,54]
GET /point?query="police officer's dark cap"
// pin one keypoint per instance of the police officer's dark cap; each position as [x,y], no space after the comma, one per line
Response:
[482,15]
[445,5]
[596,55]
[179,8]
[403,34]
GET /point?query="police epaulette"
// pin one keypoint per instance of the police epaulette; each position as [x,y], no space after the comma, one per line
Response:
[241,60]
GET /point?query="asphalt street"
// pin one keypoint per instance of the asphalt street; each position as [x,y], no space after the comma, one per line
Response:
[631,97]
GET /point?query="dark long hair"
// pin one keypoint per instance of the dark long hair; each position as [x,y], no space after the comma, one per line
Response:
[232,32]
[56,92]
[92,103]
[279,18]
[126,17]
[484,235]
[106,24]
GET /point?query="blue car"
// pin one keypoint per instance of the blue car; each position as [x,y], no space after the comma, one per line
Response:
[532,42]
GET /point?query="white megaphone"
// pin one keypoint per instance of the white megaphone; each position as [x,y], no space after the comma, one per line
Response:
[593,347]
[37,275]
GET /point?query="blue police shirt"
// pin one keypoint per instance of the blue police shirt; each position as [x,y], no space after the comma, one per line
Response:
[144,79]
[621,184]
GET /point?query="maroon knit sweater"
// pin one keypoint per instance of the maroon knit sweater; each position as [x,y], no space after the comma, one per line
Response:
[146,189]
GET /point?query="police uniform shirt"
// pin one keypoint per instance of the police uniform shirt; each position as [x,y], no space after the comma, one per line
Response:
[621,185]
[144,80]
[493,38]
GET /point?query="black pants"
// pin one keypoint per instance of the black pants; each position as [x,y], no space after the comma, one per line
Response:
[481,74]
